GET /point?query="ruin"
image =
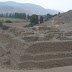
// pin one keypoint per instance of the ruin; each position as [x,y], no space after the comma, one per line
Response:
[35,47]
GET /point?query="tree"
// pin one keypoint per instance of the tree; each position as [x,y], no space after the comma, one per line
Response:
[6,15]
[48,16]
[41,19]
[58,13]
[28,17]
[1,25]
[34,19]
[1,15]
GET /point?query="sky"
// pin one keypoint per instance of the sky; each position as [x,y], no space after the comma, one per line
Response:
[61,5]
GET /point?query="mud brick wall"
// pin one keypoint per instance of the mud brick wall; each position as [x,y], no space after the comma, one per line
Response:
[4,38]
[40,47]
[43,55]
[68,34]
[30,38]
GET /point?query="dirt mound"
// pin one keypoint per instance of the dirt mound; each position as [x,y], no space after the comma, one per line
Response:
[62,21]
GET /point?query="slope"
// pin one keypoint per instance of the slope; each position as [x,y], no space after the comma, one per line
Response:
[62,21]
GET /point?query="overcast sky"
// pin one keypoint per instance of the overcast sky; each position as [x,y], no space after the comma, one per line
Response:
[62,5]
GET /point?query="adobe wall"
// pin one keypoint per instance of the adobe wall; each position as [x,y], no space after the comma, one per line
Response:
[43,54]
[36,49]
[45,46]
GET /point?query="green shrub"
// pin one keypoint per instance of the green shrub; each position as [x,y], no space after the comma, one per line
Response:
[8,21]
[1,24]
[5,27]
[30,25]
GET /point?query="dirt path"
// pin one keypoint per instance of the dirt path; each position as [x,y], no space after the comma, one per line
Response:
[60,69]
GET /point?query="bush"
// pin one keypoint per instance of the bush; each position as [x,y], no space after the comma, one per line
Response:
[1,24]
[8,21]
[3,27]
[41,19]
[30,25]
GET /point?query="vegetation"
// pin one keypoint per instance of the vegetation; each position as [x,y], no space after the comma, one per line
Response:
[1,24]
[8,21]
[21,17]
[30,25]
[15,15]
[34,19]
[3,27]
[16,20]
[48,16]
[41,19]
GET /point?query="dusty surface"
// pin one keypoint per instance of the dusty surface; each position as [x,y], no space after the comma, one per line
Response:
[65,18]
[17,25]
[60,69]
[38,47]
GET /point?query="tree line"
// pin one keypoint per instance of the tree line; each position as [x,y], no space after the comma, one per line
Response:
[15,15]
[25,16]
[38,19]
[34,19]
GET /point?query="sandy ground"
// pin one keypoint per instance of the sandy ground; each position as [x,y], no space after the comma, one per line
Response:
[17,25]
[59,69]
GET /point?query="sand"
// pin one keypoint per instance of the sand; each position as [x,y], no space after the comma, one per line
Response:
[59,69]
[16,25]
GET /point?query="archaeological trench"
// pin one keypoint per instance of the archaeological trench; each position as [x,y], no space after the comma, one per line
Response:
[36,47]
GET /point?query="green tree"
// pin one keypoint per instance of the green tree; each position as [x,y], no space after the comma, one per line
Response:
[48,16]
[28,17]
[1,15]
[1,25]
[34,19]
[20,15]
[41,19]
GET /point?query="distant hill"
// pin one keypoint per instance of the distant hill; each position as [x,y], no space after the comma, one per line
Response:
[11,9]
[28,8]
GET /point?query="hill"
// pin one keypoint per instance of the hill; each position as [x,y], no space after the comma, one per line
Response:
[24,7]
[62,21]
[11,9]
